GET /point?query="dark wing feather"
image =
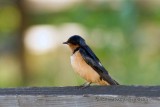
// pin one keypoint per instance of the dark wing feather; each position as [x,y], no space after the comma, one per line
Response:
[91,59]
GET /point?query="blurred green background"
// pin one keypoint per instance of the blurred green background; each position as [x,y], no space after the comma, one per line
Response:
[124,34]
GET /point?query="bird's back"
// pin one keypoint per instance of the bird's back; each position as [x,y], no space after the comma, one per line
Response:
[92,60]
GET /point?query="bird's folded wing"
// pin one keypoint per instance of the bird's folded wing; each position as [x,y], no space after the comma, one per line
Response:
[91,59]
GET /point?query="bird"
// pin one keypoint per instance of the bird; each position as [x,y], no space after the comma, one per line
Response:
[85,63]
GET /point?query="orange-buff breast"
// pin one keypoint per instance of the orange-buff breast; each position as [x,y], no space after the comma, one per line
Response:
[84,70]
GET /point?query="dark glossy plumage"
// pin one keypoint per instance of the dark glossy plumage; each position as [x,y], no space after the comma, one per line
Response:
[76,39]
[90,58]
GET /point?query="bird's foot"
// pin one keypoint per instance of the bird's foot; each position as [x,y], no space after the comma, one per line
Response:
[85,85]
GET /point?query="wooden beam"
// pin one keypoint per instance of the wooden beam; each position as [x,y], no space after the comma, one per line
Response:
[94,96]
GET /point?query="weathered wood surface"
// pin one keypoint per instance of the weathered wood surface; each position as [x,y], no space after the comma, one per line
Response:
[94,96]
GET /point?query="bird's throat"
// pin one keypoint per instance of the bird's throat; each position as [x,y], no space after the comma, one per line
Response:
[76,49]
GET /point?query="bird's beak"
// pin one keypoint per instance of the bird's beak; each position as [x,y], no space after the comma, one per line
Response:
[65,42]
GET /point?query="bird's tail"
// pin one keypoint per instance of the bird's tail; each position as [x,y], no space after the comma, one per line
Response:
[116,83]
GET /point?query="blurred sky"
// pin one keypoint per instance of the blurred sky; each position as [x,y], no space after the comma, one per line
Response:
[124,34]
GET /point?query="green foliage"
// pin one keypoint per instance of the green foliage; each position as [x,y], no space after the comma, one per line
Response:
[9,19]
[125,39]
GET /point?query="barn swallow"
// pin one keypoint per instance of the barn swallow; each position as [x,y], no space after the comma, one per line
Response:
[86,63]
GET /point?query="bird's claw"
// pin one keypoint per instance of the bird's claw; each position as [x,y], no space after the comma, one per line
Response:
[85,85]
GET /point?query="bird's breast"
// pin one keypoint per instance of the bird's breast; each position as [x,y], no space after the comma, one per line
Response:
[83,69]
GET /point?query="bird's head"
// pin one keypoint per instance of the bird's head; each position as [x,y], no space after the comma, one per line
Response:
[75,41]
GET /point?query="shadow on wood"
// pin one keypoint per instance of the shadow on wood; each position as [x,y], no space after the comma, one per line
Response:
[94,96]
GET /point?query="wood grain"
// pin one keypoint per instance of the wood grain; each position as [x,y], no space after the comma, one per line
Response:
[94,96]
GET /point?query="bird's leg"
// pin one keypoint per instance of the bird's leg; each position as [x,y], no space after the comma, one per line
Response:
[86,84]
